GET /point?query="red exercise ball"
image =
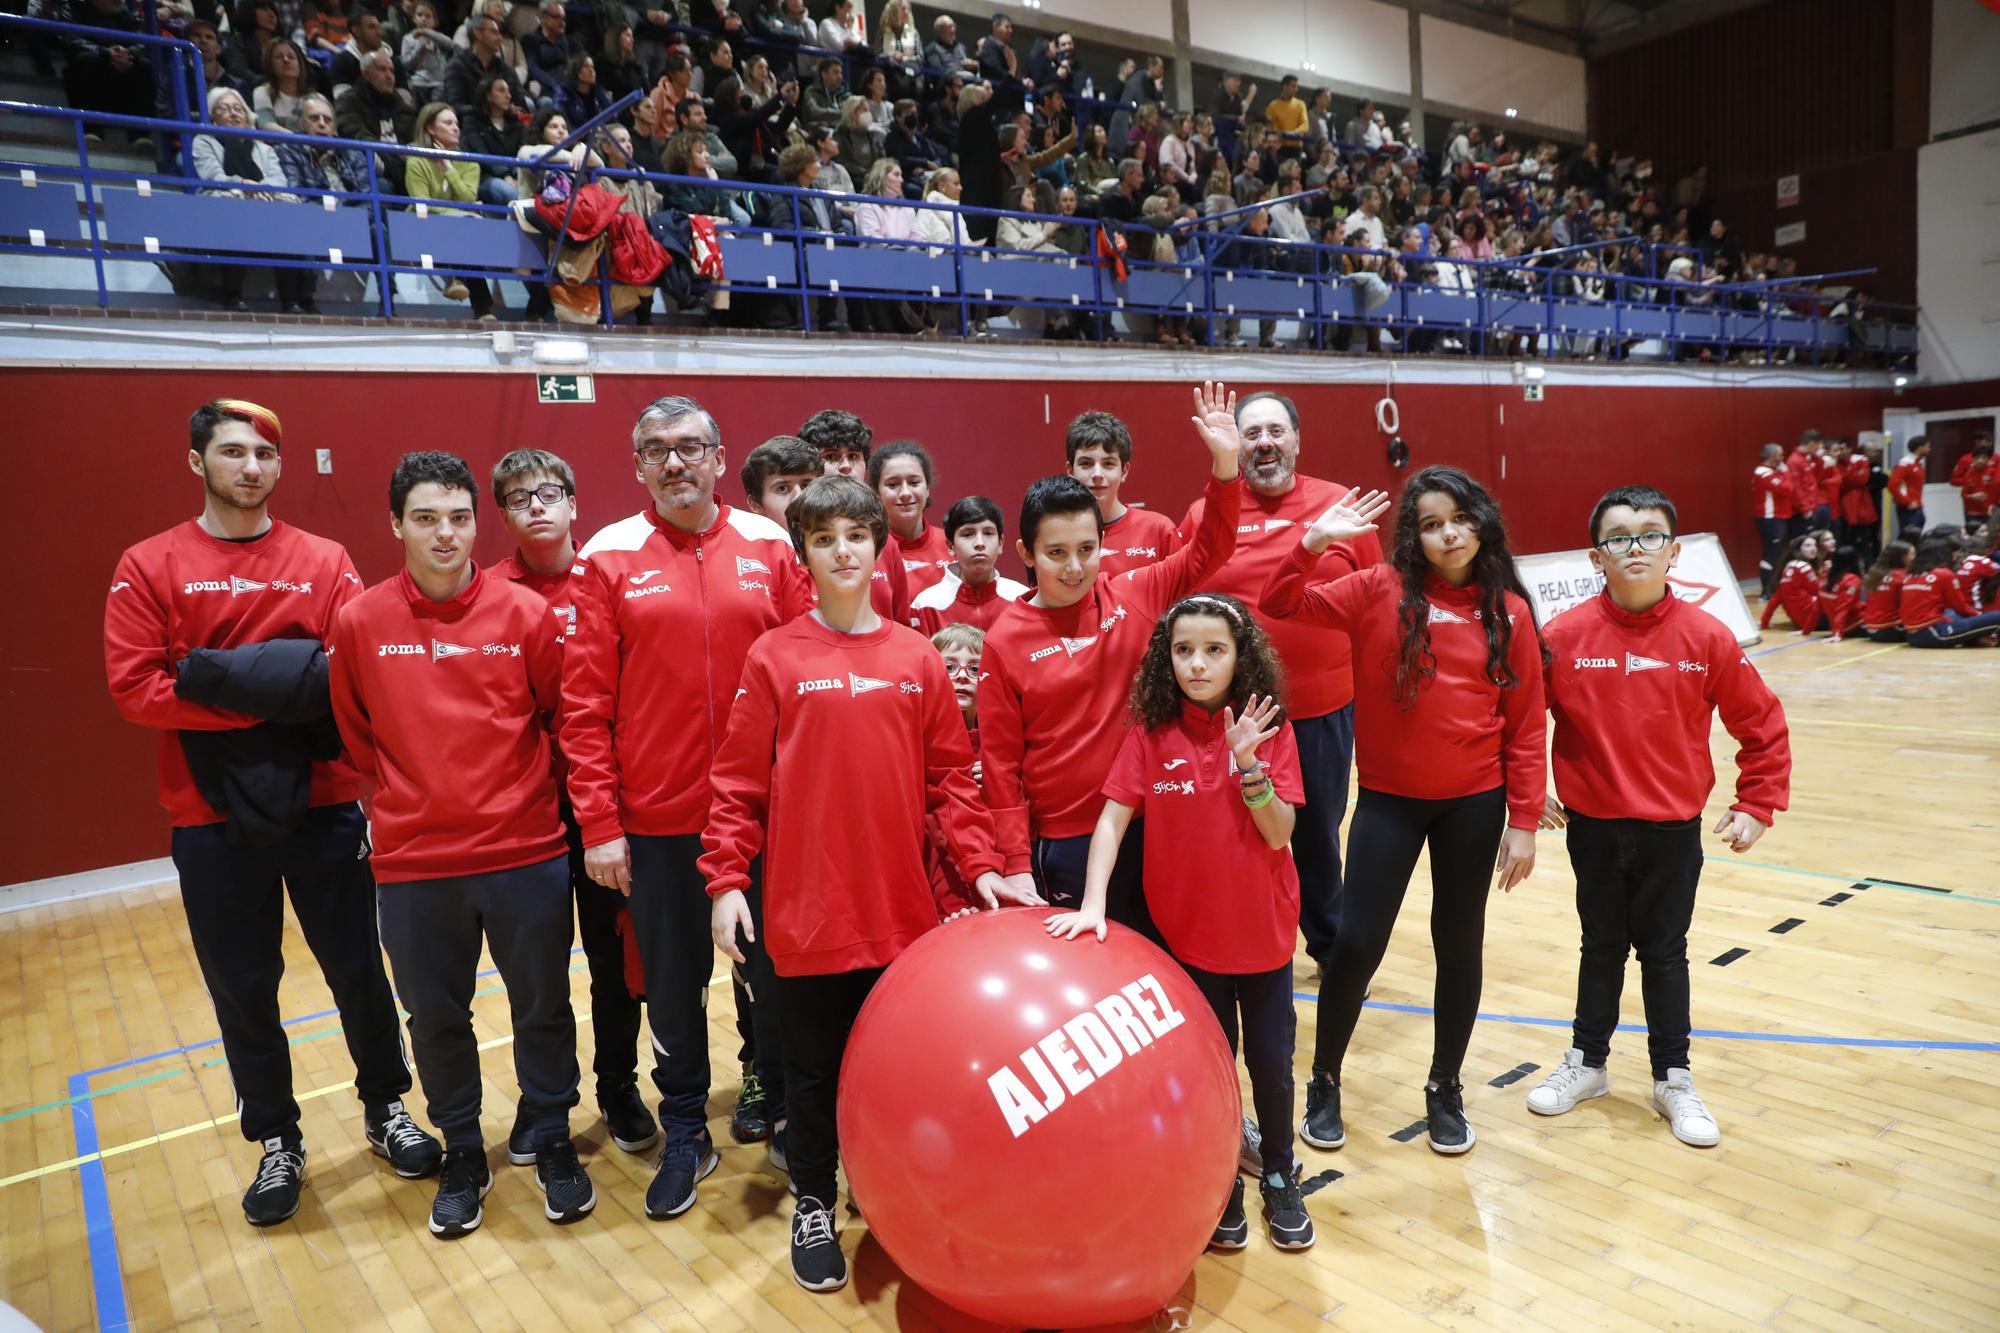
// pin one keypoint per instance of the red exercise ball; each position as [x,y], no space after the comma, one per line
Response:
[1039,1131]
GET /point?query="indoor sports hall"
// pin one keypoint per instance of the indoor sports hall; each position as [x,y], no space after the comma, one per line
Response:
[1159,665]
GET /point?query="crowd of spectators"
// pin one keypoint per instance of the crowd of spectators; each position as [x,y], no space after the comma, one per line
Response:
[770,92]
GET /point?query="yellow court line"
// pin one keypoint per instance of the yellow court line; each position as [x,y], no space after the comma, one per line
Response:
[1888,726]
[1835,666]
[118,1149]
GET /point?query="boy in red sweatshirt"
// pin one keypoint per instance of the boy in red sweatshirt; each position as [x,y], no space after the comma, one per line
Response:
[841,690]
[1636,678]
[1098,447]
[230,581]
[775,472]
[845,444]
[668,602]
[446,684]
[536,492]
[1906,486]
[1058,667]
[971,591]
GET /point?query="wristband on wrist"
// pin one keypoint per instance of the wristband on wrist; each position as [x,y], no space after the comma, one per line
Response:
[1261,799]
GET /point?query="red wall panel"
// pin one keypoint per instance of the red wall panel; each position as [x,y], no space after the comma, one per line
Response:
[100,462]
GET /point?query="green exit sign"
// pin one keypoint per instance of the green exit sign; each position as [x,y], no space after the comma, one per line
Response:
[565,389]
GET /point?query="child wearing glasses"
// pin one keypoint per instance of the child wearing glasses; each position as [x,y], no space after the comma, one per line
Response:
[1635,681]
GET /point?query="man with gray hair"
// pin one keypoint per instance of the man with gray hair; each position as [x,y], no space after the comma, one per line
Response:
[463,74]
[667,603]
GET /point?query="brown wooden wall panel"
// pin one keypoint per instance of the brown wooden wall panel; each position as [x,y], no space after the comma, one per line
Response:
[1858,214]
[1784,87]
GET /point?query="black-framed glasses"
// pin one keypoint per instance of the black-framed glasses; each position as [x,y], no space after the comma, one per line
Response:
[1652,543]
[549,493]
[688,451]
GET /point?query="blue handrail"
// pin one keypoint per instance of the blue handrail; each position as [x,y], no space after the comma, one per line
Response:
[1199,281]
[177,46]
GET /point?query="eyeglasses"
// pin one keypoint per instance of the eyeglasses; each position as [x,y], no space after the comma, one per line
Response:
[954,672]
[1649,542]
[549,493]
[688,451]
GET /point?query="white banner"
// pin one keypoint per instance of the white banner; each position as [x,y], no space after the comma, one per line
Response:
[1562,579]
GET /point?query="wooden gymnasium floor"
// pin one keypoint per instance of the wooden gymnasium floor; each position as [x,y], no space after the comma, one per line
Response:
[1851,1059]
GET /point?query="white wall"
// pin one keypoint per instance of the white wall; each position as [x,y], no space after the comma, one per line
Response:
[1965,54]
[1352,41]
[1958,258]
[1488,73]
[1152,17]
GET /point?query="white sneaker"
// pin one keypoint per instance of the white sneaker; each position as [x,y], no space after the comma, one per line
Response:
[1250,1155]
[1568,1083]
[1677,1100]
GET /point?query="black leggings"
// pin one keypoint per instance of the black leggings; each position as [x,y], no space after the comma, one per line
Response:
[1268,1029]
[1382,846]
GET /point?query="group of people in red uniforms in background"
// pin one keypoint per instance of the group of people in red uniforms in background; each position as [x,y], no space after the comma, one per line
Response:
[804,732]
[1933,587]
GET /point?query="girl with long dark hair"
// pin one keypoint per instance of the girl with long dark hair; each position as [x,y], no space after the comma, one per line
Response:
[1449,741]
[1881,612]
[1212,766]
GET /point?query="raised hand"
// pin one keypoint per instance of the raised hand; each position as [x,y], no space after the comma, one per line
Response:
[1245,734]
[1215,421]
[1346,520]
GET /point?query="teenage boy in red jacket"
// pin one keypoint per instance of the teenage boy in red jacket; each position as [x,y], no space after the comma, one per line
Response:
[1906,486]
[446,684]
[1636,678]
[1058,667]
[236,578]
[668,603]
[1099,449]
[846,888]
[536,492]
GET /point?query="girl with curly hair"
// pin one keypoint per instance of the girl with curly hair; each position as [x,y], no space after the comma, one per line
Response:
[1211,763]
[1448,738]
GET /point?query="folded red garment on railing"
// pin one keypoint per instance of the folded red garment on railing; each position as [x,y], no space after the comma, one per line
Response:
[707,250]
[636,258]
[591,213]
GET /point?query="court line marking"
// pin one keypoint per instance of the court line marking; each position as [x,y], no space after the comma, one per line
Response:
[1863,657]
[1886,726]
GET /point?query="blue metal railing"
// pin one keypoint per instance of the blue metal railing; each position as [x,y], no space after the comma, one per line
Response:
[1218,274]
[184,66]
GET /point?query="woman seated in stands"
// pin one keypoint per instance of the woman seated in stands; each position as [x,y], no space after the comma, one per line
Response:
[883,216]
[453,181]
[618,68]
[686,154]
[855,134]
[614,145]
[232,161]
[580,98]
[287,81]
[496,132]
[549,128]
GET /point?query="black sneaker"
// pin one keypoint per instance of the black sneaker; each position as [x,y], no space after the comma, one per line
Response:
[521,1143]
[817,1263]
[633,1127]
[1322,1127]
[1285,1211]
[682,1166]
[274,1195]
[1233,1231]
[566,1191]
[394,1136]
[748,1124]
[1444,1112]
[462,1182]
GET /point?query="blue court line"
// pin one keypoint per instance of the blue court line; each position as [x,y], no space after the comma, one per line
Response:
[1796,643]
[106,1274]
[1713,1034]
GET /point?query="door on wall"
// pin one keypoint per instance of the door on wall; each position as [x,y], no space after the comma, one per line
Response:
[1951,439]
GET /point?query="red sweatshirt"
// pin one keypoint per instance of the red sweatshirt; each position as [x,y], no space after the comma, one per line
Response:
[838,746]
[1977,573]
[1857,506]
[184,589]
[948,887]
[888,588]
[551,588]
[1883,608]
[1840,605]
[1319,662]
[1978,483]
[1771,491]
[1223,898]
[448,707]
[1803,469]
[1634,696]
[1927,597]
[1464,734]
[1135,539]
[1798,593]
[1054,684]
[664,619]
[950,601]
[924,561]
[1906,483]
